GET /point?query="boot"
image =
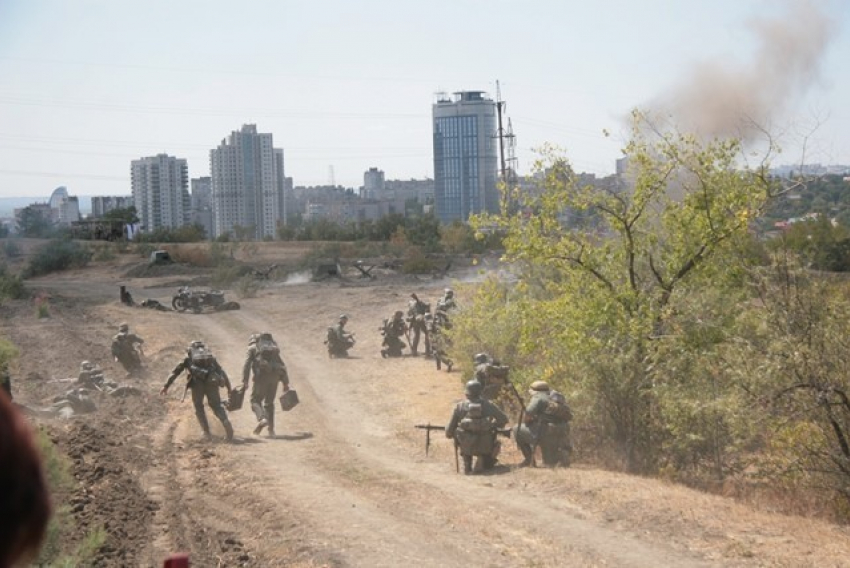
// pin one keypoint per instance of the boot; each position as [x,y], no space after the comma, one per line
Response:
[260,425]
[467,465]
[526,454]
[228,430]
[207,437]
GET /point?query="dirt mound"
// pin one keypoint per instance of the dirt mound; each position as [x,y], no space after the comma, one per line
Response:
[147,270]
[107,450]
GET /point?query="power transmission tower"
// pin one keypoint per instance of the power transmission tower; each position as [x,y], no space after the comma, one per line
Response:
[506,175]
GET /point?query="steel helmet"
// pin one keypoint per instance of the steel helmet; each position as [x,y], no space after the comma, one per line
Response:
[480,358]
[473,389]
[123,327]
[538,386]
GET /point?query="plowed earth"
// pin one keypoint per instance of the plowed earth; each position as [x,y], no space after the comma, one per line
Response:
[346,481]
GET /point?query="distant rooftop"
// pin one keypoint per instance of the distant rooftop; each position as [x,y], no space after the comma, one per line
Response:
[462,96]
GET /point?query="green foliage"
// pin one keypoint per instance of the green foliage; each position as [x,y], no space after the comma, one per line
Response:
[125,215]
[11,248]
[8,352]
[34,221]
[42,307]
[606,272]
[55,256]
[11,285]
[57,473]
[821,244]
[247,286]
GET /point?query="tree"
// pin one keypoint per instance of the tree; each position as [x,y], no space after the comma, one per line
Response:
[124,215]
[604,271]
[34,221]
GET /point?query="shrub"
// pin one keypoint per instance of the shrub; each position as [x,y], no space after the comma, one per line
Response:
[11,286]
[11,248]
[247,286]
[55,256]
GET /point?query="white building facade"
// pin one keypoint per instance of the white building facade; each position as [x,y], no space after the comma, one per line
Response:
[160,187]
[247,179]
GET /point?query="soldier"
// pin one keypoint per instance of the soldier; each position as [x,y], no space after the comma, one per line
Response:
[339,341]
[90,374]
[393,330]
[447,302]
[126,297]
[473,426]
[546,424]
[439,342]
[205,378]
[264,361]
[127,349]
[416,312]
[491,374]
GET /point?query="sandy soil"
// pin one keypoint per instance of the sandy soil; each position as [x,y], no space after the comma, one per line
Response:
[346,482]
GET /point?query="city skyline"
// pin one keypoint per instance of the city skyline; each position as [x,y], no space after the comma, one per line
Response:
[346,87]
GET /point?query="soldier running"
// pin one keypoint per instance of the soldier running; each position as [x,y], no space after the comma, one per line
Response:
[205,378]
[264,362]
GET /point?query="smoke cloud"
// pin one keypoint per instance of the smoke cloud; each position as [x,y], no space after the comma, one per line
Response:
[728,99]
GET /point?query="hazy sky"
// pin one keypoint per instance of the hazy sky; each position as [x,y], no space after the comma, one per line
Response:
[86,86]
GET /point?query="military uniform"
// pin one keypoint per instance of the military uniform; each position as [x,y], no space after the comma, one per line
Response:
[473,426]
[393,330]
[416,312]
[447,302]
[439,342]
[339,340]
[492,375]
[268,369]
[125,350]
[543,429]
[205,378]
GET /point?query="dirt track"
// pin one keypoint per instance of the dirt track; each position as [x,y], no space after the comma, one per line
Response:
[346,482]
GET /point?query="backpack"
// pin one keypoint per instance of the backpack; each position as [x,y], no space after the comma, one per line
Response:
[474,421]
[199,353]
[266,345]
[557,407]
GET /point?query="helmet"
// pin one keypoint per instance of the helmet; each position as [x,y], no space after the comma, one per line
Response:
[399,314]
[480,358]
[343,317]
[253,338]
[540,386]
[86,366]
[449,292]
[123,328]
[473,389]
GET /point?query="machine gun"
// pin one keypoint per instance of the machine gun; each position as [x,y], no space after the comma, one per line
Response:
[506,432]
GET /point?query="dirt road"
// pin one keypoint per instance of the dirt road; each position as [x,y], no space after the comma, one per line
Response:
[346,481]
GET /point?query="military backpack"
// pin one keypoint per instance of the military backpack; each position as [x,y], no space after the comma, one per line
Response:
[557,407]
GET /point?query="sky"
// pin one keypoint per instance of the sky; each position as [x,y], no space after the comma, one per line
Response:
[87,86]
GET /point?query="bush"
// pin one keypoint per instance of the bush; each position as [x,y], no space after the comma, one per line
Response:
[11,286]
[57,255]
[11,248]
[247,286]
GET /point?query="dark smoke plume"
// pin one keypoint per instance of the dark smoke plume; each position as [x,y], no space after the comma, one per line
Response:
[725,99]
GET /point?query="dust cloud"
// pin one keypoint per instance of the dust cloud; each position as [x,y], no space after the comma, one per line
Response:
[722,98]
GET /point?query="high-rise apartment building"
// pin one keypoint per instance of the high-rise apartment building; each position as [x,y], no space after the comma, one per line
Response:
[202,204]
[465,156]
[247,183]
[160,186]
[373,184]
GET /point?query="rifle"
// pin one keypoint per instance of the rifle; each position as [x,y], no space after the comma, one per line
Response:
[519,421]
[185,390]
